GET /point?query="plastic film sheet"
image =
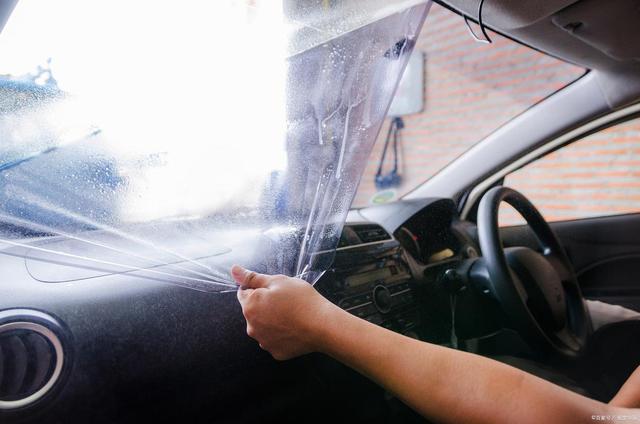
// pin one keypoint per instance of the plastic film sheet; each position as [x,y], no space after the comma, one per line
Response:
[222,133]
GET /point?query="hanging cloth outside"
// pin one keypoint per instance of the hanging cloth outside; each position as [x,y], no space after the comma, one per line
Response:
[392,179]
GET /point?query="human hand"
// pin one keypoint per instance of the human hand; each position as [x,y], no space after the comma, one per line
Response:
[283,314]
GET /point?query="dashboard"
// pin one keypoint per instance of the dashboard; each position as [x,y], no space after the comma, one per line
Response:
[135,349]
[372,280]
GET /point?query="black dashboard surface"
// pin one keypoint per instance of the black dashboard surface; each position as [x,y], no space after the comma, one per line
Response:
[141,350]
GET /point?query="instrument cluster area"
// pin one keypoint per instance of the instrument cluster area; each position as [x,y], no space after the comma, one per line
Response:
[430,236]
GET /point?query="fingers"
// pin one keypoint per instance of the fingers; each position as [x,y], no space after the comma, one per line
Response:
[248,279]
[243,294]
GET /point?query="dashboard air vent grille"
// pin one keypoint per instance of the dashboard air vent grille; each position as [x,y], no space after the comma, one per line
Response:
[371,233]
[31,359]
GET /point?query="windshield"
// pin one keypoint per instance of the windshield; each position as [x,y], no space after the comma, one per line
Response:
[468,90]
[172,141]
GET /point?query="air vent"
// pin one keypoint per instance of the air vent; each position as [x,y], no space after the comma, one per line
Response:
[31,359]
[371,233]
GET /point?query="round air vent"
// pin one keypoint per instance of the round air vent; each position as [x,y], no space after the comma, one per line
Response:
[31,358]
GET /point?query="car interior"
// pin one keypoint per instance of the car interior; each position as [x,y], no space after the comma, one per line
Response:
[105,342]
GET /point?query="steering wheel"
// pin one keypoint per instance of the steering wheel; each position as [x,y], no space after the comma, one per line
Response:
[538,290]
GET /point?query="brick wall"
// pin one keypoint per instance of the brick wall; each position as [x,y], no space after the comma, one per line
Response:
[598,175]
[470,90]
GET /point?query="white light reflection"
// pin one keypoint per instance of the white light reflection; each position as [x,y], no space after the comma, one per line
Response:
[199,84]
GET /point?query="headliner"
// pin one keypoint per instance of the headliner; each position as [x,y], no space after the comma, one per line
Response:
[597,35]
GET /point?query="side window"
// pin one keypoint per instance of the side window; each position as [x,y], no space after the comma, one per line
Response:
[598,175]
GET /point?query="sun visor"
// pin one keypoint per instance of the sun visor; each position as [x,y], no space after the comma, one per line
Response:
[611,27]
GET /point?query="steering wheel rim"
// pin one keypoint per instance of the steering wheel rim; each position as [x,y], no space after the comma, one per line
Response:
[520,276]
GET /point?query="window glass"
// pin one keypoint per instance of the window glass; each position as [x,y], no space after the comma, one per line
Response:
[470,89]
[596,176]
[173,139]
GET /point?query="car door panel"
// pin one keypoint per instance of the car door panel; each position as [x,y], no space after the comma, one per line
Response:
[605,252]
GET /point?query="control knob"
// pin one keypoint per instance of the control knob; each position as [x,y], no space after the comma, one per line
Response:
[382,298]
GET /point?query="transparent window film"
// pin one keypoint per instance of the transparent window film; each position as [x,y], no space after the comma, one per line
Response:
[595,176]
[171,142]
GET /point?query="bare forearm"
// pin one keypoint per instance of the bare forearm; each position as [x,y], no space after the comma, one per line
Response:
[443,384]
[448,385]
[629,394]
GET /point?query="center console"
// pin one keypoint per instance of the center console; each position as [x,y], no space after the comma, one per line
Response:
[370,279]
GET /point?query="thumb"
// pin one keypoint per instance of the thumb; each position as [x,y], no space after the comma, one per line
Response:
[248,279]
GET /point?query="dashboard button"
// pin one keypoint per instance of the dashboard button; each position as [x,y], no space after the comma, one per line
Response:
[346,303]
[407,297]
[364,311]
[365,298]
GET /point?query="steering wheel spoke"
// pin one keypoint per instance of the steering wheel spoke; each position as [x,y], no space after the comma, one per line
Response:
[522,292]
[568,338]
[563,269]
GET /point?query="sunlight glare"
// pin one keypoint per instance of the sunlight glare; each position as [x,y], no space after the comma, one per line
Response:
[200,83]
